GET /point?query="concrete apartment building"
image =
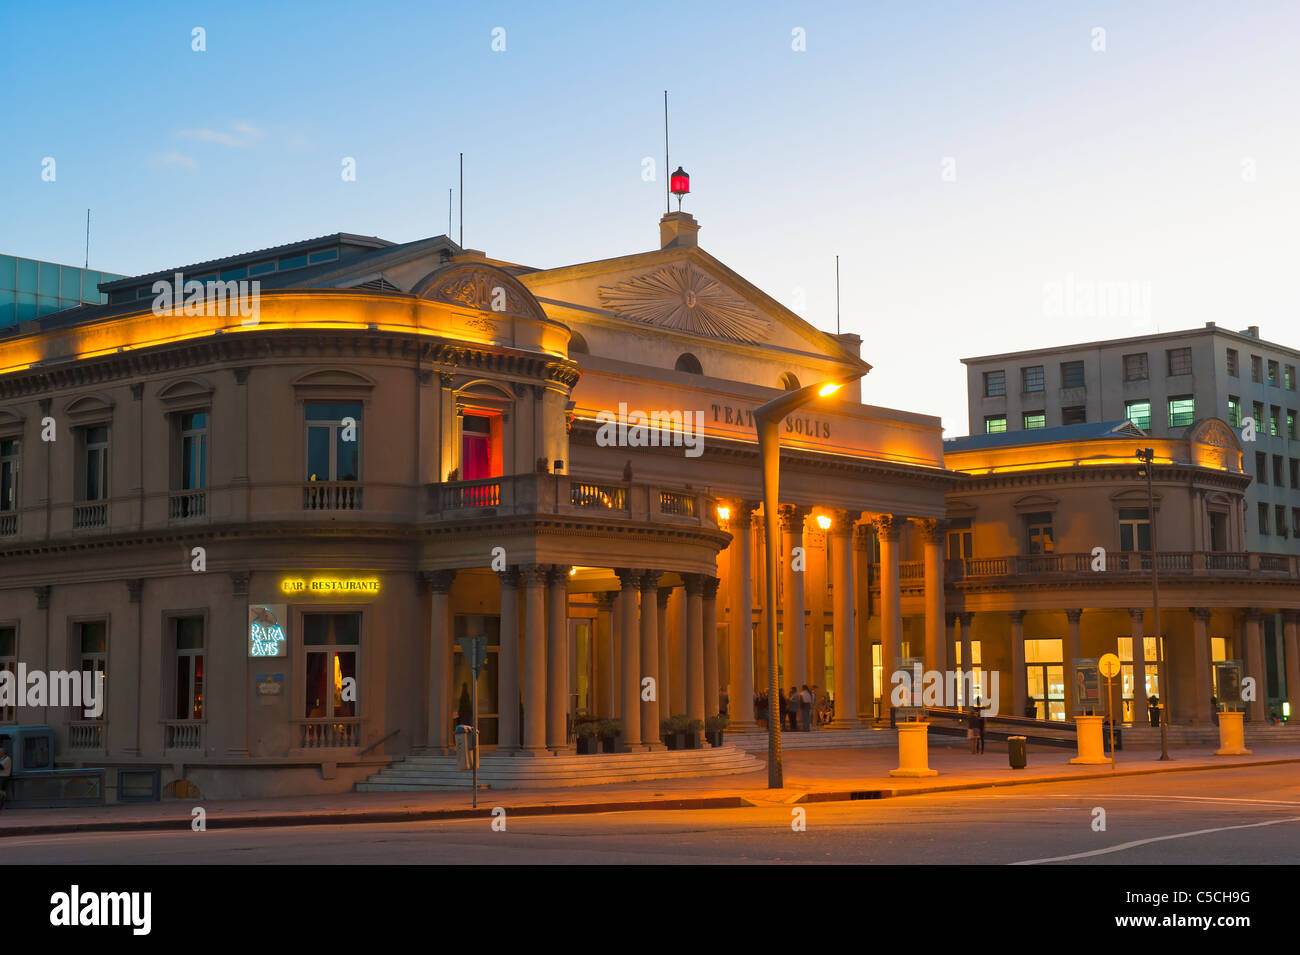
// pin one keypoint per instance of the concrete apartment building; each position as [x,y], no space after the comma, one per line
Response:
[1164,383]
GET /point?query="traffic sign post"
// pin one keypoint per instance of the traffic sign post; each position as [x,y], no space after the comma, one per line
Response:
[475,651]
[1109,666]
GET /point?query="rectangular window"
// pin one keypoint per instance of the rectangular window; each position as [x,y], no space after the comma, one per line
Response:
[1076,414]
[9,662]
[1234,411]
[1071,374]
[92,640]
[1135,367]
[1233,367]
[1263,520]
[995,384]
[94,463]
[1295,529]
[1277,471]
[1273,373]
[1180,361]
[193,446]
[959,539]
[1036,419]
[333,441]
[480,447]
[187,637]
[1039,538]
[1295,472]
[1279,520]
[1256,369]
[1139,412]
[1134,530]
[995,424]
[1182,411]
[1258,408]
[1031,378]
[1290,423]
[9,456]
[1274,412]
[1261,467]
[1288,377]
[331,648]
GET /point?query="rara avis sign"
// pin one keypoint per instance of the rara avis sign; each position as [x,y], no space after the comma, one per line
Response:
[266,631]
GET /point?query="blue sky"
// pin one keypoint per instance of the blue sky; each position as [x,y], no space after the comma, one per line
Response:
[1168,163]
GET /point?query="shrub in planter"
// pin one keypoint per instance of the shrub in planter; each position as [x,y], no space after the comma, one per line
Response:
[675,730]
[693,728]
[713,728]
[609,732]
[586,738]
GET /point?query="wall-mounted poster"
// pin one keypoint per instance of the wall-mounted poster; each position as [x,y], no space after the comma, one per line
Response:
[268,630]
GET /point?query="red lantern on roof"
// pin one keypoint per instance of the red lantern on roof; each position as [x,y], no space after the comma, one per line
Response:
[679,185]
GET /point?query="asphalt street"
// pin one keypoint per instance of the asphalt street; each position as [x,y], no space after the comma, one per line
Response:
[1250,815]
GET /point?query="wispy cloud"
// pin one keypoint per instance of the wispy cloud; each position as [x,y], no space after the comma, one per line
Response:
[239,135]
[174,158]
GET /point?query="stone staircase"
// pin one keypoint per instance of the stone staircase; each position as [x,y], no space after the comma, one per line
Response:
[829,737]
[1148,737]
[430,771]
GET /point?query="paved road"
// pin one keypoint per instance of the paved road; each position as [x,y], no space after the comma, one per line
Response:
[1250,815]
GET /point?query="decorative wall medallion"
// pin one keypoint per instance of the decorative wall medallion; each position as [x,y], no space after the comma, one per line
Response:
[483,324]
[681,297]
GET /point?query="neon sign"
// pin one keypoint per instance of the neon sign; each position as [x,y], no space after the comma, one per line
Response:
[266,632]
[330,585]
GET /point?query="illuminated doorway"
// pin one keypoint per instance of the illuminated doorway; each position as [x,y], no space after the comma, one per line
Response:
[475,625]
[1045,678]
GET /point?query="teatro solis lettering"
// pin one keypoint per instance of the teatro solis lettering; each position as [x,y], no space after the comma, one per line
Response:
[794,424]
[77,908]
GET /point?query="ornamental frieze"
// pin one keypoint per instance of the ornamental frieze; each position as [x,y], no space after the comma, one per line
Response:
[681,297]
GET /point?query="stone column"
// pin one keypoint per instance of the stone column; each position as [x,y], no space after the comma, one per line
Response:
[508,663]
[1072,652]
[793,646]
[888,530]
[650,657]
[630,684]
[741,690]
[1255,665]
[846,663]
[695,646]
[676,613]
[1019,692]
[1201,674]
[1135,616]
[557,657]
[534,581]
[607,675]
[665,670]
[936,657]
[862,618]
[234,667]
[439,657]
[709,608]
[1290,619]
[135,592]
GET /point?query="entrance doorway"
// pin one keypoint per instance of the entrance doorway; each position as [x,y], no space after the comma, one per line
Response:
[1045,678]
[475,625]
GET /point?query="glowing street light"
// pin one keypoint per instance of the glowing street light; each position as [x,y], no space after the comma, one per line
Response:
[767,420]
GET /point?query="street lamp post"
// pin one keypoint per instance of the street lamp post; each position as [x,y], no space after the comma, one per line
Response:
[1147,456]
[767,421]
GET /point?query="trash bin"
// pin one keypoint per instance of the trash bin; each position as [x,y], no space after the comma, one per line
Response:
[1016,751]
[466,752]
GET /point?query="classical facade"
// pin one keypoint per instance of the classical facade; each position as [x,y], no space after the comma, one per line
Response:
[268,527]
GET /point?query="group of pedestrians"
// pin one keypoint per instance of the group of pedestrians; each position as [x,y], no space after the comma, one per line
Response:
[799,710]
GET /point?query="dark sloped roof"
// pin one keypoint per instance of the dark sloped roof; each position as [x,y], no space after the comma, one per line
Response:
[1091,430]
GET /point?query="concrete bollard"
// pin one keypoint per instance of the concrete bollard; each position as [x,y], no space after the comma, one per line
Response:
[913,751]
[1092,749]
[1232,734]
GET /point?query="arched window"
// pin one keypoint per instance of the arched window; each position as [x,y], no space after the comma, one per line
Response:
[577,344]
[789,382]
[688,363]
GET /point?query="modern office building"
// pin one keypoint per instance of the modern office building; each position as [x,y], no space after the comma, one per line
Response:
[30,289]
[268,527]
[1164,384]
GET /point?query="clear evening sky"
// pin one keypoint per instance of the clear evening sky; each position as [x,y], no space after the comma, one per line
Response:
[963,159]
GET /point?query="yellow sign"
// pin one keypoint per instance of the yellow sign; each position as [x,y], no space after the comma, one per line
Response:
[330,585]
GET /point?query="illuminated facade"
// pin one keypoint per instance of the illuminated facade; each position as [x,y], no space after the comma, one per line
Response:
[269,531]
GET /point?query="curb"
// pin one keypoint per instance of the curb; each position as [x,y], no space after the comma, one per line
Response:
[371,817]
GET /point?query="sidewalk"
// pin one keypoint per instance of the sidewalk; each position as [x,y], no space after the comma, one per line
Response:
[812,776]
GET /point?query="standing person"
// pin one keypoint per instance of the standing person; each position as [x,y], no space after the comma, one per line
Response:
[6,766]
[805,708]
[979,724]
[723,700]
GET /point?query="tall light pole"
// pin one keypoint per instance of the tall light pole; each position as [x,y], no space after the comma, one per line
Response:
[767,421]
[1147,456]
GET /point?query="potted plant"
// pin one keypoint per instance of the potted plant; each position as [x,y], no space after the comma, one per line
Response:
[609,732]
[713,728]
[585,736]
[674,730]
[693,728]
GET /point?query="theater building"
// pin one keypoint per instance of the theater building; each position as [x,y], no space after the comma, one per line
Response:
[268,527]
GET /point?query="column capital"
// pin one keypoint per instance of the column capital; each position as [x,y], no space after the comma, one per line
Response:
[862,535]
[628,577]
[1016,616]
[694,584]
[951,618]
[933,530]
[889,526]
[557,574]
[967,616]
[605,600]
[1253,614]
[1200,613]
[711,588]
[42,596]
[742,511]
[509,577]
[1290,616]
[239,583]
[664,594]
[1073,614]
[134,588]
[650,579]
[439,580]
[533,574]
[793,517]
[1136,614]
[842,522]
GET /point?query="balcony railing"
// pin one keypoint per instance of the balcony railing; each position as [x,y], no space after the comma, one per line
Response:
[8,525]
[1116,564]
[330,734]
[183,734]
[87,516]
[86,735]
[331,496]
[186,505]
[471,494]
[607,496]
[672,502]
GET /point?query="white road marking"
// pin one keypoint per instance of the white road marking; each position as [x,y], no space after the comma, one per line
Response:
[1141,842]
